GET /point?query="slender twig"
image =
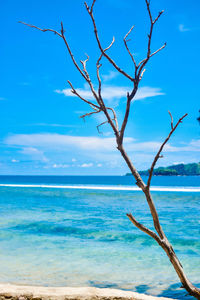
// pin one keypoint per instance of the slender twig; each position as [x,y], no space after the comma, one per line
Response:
[114,117]
[105,122]
[84,62]
[98,66]
[144,228]
[74,91]
[142,64]
[90,113]
[173,128]
[126,45]
[172,120]
[43,30]
[65,41]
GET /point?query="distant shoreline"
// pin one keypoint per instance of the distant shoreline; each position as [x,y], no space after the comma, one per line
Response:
[192,169]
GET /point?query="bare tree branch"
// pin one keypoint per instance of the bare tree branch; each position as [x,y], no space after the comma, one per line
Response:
[126,45]
[114,117]
[128,104]
[142,64]
[161,48]
[144,228]
[79,96]
[105,122]
[84,62]
[98,66]
[161,148]
[90,11]
[172,120]
[65,41]
[90,113]
[43,30]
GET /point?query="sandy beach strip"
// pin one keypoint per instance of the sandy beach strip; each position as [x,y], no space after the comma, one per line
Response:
[13,292]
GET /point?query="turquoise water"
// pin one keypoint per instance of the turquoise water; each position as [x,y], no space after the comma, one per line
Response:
[76,237]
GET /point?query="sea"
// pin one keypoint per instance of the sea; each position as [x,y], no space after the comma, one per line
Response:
[73,231]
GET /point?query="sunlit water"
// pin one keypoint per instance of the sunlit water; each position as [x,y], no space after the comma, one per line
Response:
[76,237]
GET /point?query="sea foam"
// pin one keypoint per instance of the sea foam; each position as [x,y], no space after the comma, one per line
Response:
[109,188]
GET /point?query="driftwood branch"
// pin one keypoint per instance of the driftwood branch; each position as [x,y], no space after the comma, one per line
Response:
[158,155]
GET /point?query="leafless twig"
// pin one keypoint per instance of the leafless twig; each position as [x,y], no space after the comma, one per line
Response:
[74,91]
[126,45]
[90,11]
[172,120]
[173,128]
[105,122]
[90,113]
[144,228]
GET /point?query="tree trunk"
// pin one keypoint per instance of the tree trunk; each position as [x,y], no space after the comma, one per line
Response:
[161,239]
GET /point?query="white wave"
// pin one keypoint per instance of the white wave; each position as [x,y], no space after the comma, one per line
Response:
[111,188]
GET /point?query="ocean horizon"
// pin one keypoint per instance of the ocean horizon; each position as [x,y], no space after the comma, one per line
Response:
[73,231]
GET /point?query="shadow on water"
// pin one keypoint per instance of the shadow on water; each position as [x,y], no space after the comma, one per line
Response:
[142,288]
[173,291]
[103,284]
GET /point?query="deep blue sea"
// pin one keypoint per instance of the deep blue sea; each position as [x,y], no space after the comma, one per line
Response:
[73,231]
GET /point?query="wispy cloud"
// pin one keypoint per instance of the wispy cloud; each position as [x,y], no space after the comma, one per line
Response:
[14,160]
[110,92]
[96,152]
[54,125]
[110,75]
[183,28]
[59,141]
[30,143]
[87,165]
[60,166]
[34,153]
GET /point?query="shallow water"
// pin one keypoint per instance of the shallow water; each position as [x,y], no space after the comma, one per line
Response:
[73,237]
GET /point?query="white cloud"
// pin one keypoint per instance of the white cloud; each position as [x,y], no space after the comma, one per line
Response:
[55,125]
[90,143]
[110,92]
[147,92]
[46,141]
[34,153]
[110,75]
[14,160]
[99,165]
[89,165]
[59,166]
[178,163]
[182,28]
[73,159]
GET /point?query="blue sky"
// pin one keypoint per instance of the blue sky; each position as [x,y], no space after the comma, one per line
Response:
[40,127]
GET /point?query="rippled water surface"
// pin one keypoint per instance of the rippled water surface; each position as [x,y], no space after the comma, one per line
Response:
[73,237]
